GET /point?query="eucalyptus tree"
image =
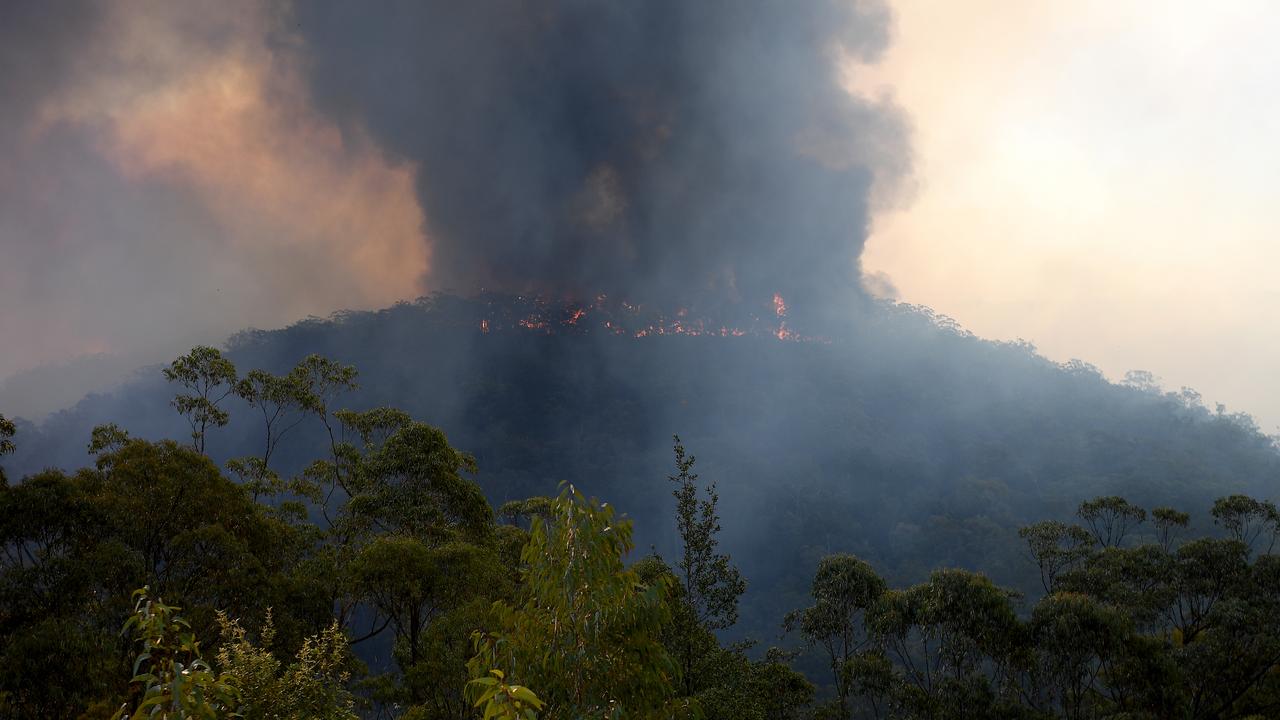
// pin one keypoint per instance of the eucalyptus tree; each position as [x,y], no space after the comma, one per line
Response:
[1110,519]
[846,590]
[209,378]
[1248,520]
[1169,523]
[584,633]
[7,431]
[1056,547]
[709,584]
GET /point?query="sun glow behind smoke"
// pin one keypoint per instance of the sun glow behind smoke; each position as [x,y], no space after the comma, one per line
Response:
[283,214]
[1098,177]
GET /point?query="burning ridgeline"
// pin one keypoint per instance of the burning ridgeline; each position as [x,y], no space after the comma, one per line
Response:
[622,318]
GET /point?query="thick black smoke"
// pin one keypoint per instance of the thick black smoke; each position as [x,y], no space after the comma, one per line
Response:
[661,151]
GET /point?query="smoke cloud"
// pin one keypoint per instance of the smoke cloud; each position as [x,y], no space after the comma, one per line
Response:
[166,183]
[664,151]
[177,172]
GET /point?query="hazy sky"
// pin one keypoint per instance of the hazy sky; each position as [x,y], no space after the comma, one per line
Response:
[1100,177]
[165,182]
[1095,176]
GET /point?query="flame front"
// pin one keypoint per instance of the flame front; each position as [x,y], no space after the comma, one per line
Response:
[625,319]
[780,309]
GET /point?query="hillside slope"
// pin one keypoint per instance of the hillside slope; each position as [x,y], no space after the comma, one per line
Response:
[899,437]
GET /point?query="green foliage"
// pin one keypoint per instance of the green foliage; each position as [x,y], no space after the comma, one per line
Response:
[209,377]
[255,476]
[950,636]
[53,667]
[409,540]
[414,543]
[435,685]
[375,426]
[1169,522]
[414,483]
[1205,572]
[194,533]
[53,656]
[845,591]
[1110,519]
[1248,520]
[723,682]
[170,679]
[1141,632]
[390,529]
[313,686]
[413,583]
[7,431]
[320,380]
[280,401]
[586,630]
[1056,547]
[499,701]
[71,547]
[710,584]
[107,438]
[1136,579]
[522,512]
[1074,638]
[783,693]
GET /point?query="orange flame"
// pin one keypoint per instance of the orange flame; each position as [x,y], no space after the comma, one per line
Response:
[627,319]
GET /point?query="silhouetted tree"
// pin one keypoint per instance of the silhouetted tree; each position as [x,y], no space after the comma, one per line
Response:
[209,378]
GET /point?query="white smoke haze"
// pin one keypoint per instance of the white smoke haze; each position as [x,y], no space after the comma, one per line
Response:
[1098,178]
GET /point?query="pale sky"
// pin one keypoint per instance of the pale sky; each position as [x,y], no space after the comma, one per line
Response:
[1098,177]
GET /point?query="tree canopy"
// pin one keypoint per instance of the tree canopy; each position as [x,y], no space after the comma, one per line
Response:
[377,580]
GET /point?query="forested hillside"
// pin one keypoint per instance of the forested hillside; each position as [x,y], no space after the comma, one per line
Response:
[896,436]
[260,591]
[349,564]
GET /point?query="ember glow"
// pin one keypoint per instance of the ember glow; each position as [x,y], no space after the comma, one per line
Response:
[175,172]
[780,309]
[626,319]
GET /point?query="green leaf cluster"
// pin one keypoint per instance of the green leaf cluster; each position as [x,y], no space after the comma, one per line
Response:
[585,630]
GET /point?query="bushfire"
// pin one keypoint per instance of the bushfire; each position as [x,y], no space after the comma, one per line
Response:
[622,318]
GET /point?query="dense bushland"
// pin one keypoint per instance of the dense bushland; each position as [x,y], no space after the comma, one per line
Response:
[260,587]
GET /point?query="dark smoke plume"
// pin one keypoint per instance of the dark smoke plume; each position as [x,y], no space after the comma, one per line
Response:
[667,151]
